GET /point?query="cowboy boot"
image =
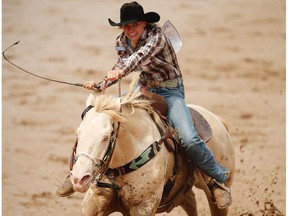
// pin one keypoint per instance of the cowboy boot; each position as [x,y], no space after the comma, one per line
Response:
[66,188]
[220,193]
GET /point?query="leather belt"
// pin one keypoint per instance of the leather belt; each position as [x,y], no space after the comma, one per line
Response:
[164,84]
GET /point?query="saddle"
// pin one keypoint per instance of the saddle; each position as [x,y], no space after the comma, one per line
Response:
[202,127]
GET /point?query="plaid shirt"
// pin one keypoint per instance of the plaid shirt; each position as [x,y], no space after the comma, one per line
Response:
[154,56]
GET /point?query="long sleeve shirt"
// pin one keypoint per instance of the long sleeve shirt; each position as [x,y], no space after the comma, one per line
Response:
[153,57]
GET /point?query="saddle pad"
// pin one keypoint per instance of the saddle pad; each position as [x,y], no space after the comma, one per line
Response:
[201,125]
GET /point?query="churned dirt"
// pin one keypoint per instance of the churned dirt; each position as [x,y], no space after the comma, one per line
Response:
[233,63]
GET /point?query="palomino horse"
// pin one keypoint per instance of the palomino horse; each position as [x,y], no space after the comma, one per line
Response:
[112,135]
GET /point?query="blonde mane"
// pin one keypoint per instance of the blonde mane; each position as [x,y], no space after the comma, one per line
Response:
[131,101]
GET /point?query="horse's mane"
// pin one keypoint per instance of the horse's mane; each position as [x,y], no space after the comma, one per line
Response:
[130,101]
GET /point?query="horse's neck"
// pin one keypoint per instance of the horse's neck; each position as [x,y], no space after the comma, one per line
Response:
[134,137]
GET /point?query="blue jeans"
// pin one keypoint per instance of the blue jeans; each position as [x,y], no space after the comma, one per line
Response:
[194,146]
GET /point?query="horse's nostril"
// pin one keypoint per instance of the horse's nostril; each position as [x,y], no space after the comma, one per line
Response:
[81,180]
[85,179]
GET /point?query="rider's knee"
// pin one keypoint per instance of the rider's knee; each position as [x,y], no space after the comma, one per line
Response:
[191,143]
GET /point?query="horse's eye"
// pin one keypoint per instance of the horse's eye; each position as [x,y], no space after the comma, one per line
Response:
[106,138]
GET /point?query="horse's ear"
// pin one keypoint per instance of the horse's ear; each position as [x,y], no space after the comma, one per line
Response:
[90,100]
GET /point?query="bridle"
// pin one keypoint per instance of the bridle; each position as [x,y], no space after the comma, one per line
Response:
[94,159]
[103,163]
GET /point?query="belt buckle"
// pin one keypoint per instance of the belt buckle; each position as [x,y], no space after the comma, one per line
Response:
[155,84]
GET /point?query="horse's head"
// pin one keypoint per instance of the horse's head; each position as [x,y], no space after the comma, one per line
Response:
[95,135]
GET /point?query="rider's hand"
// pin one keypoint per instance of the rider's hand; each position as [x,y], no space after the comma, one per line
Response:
[113,75]
[92,85]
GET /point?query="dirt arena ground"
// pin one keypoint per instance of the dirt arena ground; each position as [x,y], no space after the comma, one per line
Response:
[233,62]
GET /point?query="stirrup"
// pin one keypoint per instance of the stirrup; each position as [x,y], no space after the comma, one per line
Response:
[221,194]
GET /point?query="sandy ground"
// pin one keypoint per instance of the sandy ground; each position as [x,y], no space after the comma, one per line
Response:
[233,62]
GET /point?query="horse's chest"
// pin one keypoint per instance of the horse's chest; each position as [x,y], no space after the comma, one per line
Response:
[143,186]
[141,193]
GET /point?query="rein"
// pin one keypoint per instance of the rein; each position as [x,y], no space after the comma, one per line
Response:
[105,161]
[108,155]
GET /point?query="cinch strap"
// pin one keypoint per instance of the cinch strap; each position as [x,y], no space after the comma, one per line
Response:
[135,164]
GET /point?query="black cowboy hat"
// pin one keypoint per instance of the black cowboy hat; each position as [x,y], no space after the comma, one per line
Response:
[133,12]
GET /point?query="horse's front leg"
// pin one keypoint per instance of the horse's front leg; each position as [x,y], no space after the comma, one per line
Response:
[96,201]
[142,198]
[147,207]
[189,204]
[215,211]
